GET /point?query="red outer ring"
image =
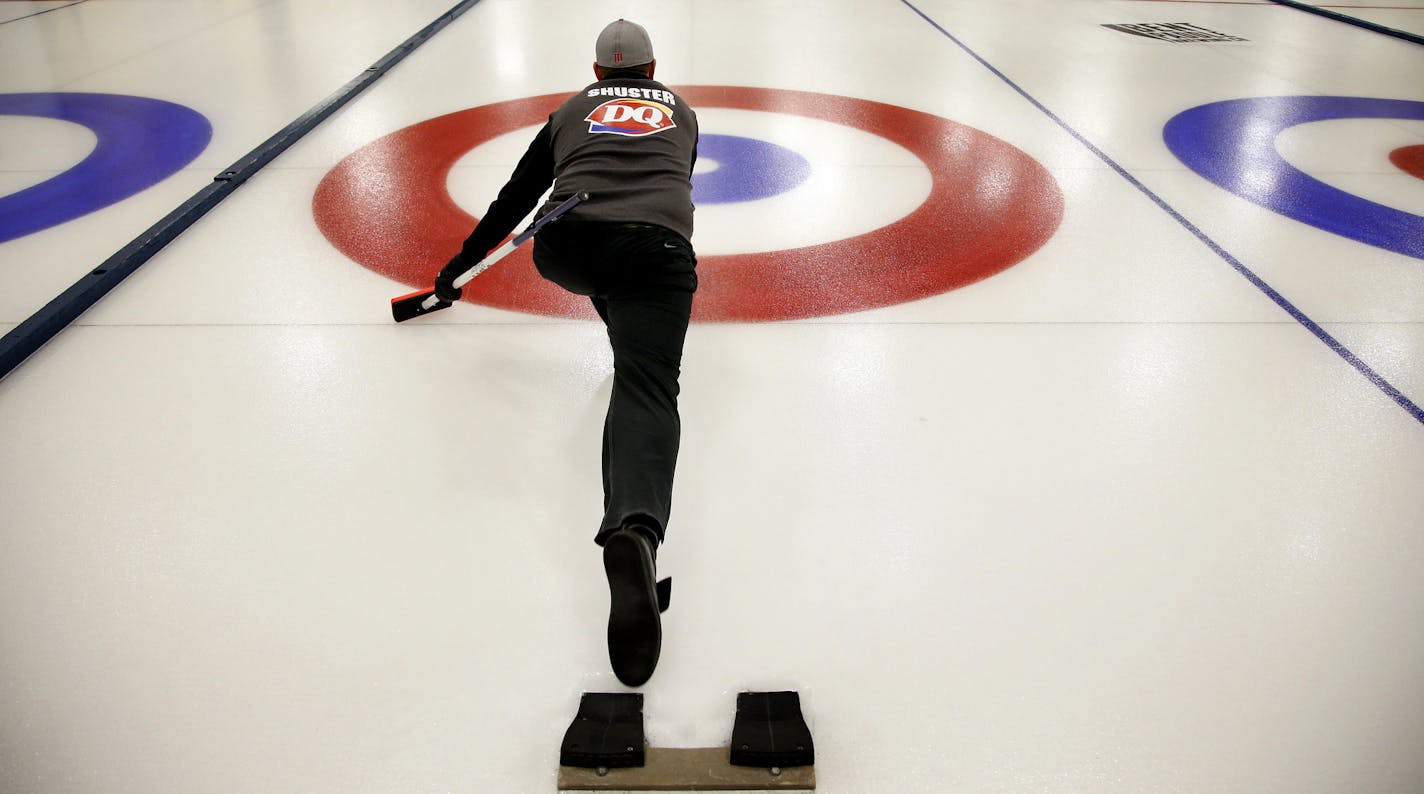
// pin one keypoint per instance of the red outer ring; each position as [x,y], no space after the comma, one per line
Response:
[991,205]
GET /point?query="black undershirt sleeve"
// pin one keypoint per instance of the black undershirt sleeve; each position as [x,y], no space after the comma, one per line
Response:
[530,179]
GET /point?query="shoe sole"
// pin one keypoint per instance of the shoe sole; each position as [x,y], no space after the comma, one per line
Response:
[634,623]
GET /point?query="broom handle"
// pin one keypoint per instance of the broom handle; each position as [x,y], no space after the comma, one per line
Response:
[503,251]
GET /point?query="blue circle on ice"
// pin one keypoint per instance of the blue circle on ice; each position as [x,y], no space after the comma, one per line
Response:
[141,142]
[747,169]
[1232,143]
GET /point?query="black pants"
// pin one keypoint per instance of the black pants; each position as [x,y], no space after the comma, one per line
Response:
[641,279]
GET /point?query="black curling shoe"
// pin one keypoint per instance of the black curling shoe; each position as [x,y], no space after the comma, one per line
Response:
[636,602]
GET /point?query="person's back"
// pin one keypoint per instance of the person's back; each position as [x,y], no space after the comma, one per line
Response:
[631,142]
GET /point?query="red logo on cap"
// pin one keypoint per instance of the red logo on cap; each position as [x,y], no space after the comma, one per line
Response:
[635,117]
[617,57]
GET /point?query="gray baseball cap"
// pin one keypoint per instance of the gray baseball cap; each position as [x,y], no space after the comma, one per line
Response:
[623,43]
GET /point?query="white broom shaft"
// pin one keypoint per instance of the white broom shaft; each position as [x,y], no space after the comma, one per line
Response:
[503,251]
[480,267]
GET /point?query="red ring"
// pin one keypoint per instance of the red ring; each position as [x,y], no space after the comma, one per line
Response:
[991,205]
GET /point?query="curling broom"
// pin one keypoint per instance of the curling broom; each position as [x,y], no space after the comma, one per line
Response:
[426,301]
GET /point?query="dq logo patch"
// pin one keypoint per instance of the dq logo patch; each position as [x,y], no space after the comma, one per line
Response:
[635,117]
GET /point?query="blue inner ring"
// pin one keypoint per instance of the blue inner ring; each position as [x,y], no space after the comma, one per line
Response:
[747,169]
[142,141]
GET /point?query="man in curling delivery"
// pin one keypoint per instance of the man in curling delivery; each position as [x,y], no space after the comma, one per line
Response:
[631,143]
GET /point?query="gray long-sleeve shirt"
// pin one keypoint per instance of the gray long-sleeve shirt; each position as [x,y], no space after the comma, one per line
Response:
[630,142]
